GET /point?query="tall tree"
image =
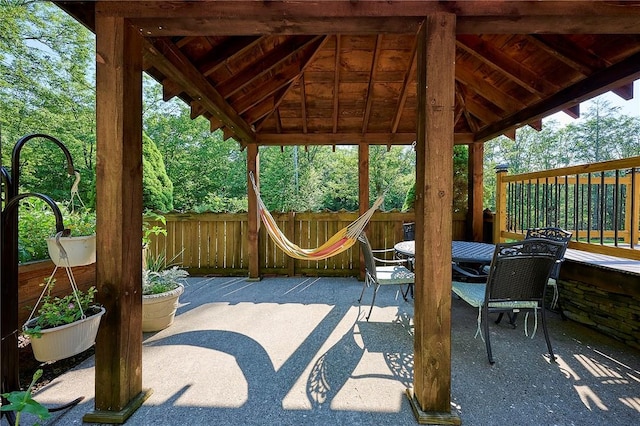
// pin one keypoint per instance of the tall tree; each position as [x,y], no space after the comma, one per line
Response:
[202,166]
[157,192]
[45,74]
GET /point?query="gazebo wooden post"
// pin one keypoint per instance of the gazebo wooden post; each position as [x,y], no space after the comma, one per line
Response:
[476,215]
[253,166]
[118,377]
[500,219]
[363,189]
[431,396]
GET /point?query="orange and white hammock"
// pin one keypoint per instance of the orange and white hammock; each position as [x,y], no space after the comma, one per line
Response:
[341,241]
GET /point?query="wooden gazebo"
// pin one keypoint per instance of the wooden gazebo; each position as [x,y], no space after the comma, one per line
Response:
[336,72]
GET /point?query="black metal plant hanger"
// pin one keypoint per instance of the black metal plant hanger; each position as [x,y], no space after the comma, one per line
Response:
[9,330]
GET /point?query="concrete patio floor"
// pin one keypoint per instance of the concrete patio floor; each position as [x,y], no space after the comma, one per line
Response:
[298,351]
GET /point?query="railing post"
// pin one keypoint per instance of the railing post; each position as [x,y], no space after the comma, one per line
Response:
[635,209]
[500,219]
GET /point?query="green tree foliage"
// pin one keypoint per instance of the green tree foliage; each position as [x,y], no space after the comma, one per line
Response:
[46,87]
[391,172]
[318,178]
[460,182]
[208,173]
[157,188]
[602,134]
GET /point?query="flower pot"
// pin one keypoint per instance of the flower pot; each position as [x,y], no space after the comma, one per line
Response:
[80,250]
[65,340]
[159,310]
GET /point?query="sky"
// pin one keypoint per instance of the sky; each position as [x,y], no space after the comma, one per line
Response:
[630,107]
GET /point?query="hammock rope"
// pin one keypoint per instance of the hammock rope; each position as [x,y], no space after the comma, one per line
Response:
[339,242]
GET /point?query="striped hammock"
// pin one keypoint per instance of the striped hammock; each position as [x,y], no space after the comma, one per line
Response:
[341,241]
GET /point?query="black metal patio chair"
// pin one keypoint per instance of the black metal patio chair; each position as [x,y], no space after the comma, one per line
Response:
[554,234]
[517,282]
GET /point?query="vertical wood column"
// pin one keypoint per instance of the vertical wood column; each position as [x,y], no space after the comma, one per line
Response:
[119,220]
[430,398]
[500,219]
[476,176]
[253,166]
[363,189]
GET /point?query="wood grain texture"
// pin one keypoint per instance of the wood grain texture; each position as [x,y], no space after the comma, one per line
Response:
[434,198]
[119,212]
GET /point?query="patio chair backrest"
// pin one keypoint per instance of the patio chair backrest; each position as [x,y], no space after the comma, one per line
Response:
[367,253]
[520,271]
[409,230]
[553,234]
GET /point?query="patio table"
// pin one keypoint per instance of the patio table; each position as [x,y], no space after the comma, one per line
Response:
[473,255]
[461,251]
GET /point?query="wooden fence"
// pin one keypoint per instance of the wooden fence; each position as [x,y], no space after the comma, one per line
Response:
[216,243]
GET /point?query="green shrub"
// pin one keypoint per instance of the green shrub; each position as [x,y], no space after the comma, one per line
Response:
[36,222]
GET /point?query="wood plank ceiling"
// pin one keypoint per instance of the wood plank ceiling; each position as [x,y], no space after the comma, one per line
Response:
[354,85]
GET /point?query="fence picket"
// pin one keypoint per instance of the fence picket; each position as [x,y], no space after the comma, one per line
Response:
[216,244]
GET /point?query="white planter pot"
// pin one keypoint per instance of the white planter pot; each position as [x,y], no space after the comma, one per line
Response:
[66,340]
[80,250]
[159,310]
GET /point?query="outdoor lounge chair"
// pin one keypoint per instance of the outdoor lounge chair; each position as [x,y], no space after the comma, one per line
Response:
[381,272]
[517,281]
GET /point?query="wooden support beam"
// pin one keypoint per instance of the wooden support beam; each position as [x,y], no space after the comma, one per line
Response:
[162,18]
[234,46]
[197,110]
[284,52]
[498,60]
[336,85]
[348,139]
[411,70]
[492,93]
[170,89]
[476,190]
[285,78]
[625,91]
[536,124]
[363,190]
[119,216]
[172,62]
[599,82]
[573,111]
[372,80]
[253,166]
[303,104]
[431,396]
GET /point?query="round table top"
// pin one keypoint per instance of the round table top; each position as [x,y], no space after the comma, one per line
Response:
[461,251]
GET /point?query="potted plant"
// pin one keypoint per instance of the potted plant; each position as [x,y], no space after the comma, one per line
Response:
[77,241]
[64,326]
[161,289]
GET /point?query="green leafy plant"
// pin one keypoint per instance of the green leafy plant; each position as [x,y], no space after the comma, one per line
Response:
[21,401]
[80,222]
[149,229]
[156,282]
[56,311]
[36,222]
